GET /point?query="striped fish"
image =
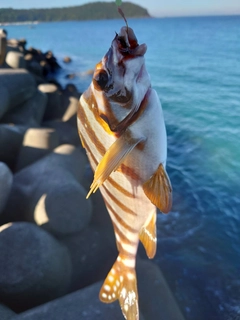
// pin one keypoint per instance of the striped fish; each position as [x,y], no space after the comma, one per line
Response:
[121,126]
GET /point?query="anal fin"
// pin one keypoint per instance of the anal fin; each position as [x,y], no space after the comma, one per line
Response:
[148,237]
[121,284]
[159,190]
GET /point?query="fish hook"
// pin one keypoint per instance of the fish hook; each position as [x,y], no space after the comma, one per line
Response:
[122,14]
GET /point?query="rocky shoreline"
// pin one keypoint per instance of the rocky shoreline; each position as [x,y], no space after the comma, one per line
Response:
[56,247]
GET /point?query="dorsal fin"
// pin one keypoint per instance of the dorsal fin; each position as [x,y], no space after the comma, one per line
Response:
[148,238]
[159,190]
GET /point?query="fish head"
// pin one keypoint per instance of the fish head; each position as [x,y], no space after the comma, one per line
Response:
[120,80]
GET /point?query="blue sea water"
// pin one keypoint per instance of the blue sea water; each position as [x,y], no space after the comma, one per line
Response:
[194,64]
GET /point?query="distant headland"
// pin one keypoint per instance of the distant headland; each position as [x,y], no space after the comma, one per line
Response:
[89,11]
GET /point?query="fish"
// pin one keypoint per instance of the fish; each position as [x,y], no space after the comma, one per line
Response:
[121,126]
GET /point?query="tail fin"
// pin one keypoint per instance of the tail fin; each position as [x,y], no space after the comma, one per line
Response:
[121,284]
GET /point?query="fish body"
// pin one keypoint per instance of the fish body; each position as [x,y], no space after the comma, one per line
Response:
[121,126]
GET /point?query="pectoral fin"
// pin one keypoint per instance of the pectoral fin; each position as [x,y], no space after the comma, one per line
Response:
[158,189]
[112,160]
[148,237]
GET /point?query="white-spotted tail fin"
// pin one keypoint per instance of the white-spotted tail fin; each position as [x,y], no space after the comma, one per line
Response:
[121,284]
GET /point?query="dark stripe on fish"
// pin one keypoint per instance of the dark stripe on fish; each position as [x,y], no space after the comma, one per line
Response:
[119,203]
[119,219]
[91,134]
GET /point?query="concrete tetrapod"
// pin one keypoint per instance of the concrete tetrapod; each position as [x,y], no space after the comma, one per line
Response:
[34,267]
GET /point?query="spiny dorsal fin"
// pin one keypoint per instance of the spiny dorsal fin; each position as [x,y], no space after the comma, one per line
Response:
[158,189]
[121,284]
[112,159]
[148,238]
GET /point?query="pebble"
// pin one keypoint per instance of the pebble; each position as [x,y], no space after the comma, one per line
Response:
[34,267]
[6,179]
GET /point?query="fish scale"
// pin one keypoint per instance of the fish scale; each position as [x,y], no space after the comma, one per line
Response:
[121,126]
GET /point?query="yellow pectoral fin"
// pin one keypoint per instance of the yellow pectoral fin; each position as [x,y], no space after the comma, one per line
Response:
[112,160]
[148,238]
[158,189]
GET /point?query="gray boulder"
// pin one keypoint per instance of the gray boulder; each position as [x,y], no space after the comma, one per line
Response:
[34,267]
[48,193]
[37,143]
[6,179]
[20,86]
[6,313]
[67,131]
[3,46]
[92,247]
[156,300]
[29,113]
[80,305]
[4,103]
[11,138]
[53,104]
[15,60]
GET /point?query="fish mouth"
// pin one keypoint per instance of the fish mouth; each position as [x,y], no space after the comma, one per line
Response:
[127,43]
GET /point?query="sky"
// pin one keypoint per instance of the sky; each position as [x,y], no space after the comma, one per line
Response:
[156,8]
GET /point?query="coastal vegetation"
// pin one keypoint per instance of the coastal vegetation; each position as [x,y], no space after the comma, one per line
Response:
[89,11]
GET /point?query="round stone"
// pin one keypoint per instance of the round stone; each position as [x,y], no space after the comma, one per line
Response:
[34,267]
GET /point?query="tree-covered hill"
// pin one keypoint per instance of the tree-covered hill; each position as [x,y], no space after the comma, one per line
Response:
[90,11]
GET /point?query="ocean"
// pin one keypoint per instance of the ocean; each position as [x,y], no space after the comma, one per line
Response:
[194,64]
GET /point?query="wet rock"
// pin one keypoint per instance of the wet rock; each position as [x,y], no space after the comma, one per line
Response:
[15,60]
[29,113]
[93,252]
[37,143]
[83,304]
[6,179]
[53,105]
[3,46]
[70,76]
[156,300]
[6,313]
[13,45]
[48,193]
[67,59]
[11,138]
[34,267]
[20,85]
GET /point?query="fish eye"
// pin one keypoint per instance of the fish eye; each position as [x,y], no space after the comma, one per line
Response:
[100,80]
